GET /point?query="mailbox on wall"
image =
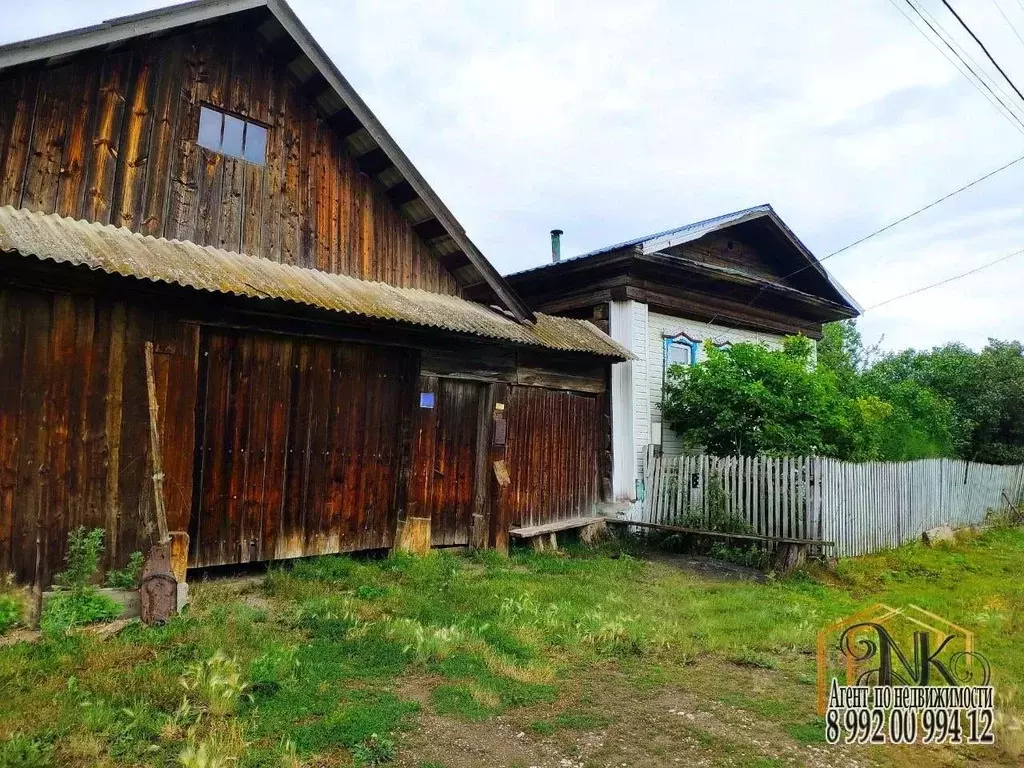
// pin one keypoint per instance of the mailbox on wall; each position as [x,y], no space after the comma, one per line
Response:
[500,431]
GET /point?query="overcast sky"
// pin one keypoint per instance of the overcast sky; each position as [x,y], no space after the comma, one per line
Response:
[615,119]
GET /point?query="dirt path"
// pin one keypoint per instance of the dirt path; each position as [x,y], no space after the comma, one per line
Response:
[668,726]
[611,723]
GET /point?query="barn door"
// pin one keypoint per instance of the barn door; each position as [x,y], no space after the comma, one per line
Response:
[444,457]
[300,446]
[552,455]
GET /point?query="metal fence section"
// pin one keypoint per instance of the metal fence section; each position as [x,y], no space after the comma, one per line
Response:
[862,507]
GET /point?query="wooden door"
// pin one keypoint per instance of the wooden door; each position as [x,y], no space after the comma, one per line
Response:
[444,457]
[552,455]
[300,446]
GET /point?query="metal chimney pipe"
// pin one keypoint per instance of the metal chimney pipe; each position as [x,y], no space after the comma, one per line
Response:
[556,245]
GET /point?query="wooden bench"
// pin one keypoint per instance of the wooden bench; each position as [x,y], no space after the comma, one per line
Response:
[791,552]
[545,537]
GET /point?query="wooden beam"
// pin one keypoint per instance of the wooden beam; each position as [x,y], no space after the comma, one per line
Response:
[373,162]
[718,534]
[554,527]
[344,123]
[430,229]
[402,193]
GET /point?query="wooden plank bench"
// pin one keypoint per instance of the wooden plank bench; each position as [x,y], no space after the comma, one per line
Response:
[545,536]
[790,554]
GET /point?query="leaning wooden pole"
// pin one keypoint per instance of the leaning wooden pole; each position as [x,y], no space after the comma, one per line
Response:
[157,454]
[158,592]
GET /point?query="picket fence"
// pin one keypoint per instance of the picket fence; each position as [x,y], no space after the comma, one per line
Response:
[861,507]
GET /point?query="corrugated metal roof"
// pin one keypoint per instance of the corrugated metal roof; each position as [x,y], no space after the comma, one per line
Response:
[119,251]
[686,232]
[696,230]
[312,60]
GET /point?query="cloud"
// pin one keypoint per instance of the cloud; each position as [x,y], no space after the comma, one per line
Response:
[612,119]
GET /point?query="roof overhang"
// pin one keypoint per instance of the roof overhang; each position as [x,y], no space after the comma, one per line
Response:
[118,252]
[339,105]
[625,256]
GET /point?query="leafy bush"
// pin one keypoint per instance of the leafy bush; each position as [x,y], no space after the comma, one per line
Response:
[80,604]
[10,612]
[129,577]
[67,610]
[85,547]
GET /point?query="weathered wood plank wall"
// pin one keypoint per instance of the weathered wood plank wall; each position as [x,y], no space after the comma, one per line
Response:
[74,446]
[112,138]
[445,457]
[553,454]
[302,444]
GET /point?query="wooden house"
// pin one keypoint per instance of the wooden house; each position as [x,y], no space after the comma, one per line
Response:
[743,276]
[203,178]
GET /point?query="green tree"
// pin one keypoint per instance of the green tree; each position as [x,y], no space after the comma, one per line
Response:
[748,399]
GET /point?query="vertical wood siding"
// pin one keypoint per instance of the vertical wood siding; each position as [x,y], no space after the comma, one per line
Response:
[74,440]
[445,458]
[112,138]
[301,445]
[552,454]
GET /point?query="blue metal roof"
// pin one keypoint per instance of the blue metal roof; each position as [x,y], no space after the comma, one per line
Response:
[697,229]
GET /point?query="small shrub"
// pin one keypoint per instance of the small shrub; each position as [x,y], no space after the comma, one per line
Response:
[129,576]
[10,612]
[85,547]
[376,750]
[751,557]
[67,610]
[217,682]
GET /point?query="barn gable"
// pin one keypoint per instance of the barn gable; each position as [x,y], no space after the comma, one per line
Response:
[103,124]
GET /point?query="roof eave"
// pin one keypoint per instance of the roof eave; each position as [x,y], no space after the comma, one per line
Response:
[121,29]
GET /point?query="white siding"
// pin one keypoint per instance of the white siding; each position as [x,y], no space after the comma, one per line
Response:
[658,327]
[620,321]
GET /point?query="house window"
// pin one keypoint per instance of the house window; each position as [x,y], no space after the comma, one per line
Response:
[680,350]
[232,135]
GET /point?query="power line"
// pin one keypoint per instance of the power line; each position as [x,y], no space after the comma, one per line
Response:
[961,52]
[979,81]
[1007,20]
[947,280]
[880,230]
[912,214]
[984,49]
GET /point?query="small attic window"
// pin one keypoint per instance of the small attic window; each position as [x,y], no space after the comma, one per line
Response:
[232,135]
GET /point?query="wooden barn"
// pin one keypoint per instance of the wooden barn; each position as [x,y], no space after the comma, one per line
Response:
[203,178]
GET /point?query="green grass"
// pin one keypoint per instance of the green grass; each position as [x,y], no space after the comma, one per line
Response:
[326,648]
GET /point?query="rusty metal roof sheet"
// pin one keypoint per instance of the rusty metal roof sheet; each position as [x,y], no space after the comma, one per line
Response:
[119,251]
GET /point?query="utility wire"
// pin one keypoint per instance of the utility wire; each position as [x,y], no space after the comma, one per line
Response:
[879,231]
[962,275]
[983,48]
[979,71]
[912,214]
[1007,20]
[979,80]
